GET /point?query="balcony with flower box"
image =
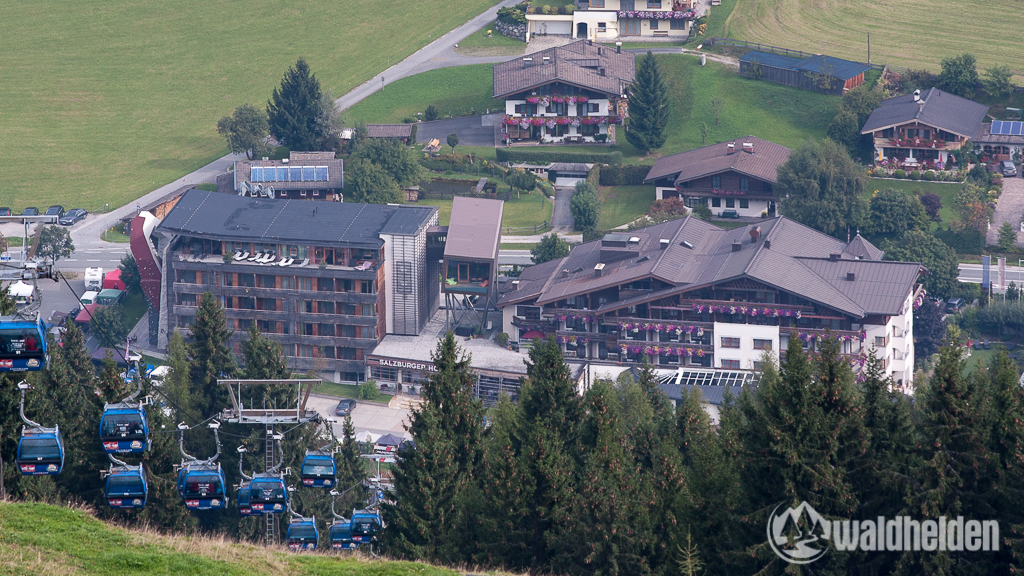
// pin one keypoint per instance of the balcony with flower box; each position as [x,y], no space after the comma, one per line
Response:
[746,308]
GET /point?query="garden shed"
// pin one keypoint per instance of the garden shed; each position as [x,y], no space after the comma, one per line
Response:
[818,73]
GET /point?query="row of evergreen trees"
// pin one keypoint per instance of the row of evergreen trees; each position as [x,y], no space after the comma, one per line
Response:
[70,395]
[616,481]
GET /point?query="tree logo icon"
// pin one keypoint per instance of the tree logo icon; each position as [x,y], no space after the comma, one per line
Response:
[798,535]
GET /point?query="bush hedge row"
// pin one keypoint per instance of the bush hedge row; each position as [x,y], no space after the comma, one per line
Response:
[624,175]
[543,156]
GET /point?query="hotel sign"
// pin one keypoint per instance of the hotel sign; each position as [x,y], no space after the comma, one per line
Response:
[407,364]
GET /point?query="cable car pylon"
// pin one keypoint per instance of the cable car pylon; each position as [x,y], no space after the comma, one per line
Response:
[41,449]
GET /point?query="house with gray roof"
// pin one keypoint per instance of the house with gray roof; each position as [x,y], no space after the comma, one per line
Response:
[327,280]
[923,130]
[571,93]
[301,176]
[734,175]
[687,294]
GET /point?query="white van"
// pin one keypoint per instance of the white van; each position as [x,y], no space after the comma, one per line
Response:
[159,374]
[94,278]
[89,297]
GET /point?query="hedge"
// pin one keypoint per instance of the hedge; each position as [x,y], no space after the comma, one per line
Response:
[532,155]
[594,176]
[624,175]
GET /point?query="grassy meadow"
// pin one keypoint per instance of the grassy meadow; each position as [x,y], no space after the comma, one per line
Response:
[105,101]
[453,91]
[912,34]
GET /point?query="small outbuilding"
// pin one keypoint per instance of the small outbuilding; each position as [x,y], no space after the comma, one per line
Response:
[818,73]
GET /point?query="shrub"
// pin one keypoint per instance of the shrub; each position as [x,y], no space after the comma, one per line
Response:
[929,175]
[899,173]
[368,390]
[430,113]
[932,204]
[502,339]
[541,156]
[624,175]
[915,175]
[594,176]
[702,211]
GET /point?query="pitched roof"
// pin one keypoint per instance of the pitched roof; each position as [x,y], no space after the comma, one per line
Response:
[475,229]
[936,108]
[762,164]
[389,130]
[578,64]
[835,67]
[768,59]
[799,261]
[335,171]
[985,136]
[236,218]
[861,249]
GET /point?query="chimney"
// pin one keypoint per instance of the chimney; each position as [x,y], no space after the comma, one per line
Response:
[284,160]
[917,95]
[730,148]
[665,242]
[598,269]
[601,70]
[565,272]
[590,42]
[527,62]
[767,243]
[618,47]
[547,60]
[755,233]
[833,257]
[851,276]
[748,147]
[600,52]
[736,246]
[515,284]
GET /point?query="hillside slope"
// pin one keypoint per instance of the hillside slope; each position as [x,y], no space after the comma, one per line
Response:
[42,540]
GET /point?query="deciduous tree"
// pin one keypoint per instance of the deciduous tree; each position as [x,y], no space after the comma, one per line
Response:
[940,259]
[1007,237]
[997,81]
[246,131]
[55,242]
[367,182]
[648,106]
[895,212]
[959,75]
[550,247]
[519,179]
[107,323]
[396,159]
[584,206]
[820,186]
[130,274]
[453,141]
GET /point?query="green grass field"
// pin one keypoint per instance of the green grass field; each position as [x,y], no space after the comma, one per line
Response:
[48,540]
[479,44]
[527,210]
[346,391]
[913,34]
[945,190]
[623,204]
[106,101]
[453,91]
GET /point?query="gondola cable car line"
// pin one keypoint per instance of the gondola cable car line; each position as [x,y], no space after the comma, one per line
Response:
[40,449]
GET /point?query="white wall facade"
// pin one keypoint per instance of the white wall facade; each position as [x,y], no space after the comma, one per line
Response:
[746,354]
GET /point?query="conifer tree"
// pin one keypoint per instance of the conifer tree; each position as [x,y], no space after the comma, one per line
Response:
[209,354]
[956,469]
[1007,444]
[648,106]
[351,467]
[432,478]
[296,111]
[264,357]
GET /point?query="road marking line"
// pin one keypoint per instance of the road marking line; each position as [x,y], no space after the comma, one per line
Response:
[92,260]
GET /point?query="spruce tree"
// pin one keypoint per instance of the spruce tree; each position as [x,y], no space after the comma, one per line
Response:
[210,355]
[648,106]
[956,469]
[1006,441]
[432,478]
[264,357]
[296,110]
[351,466]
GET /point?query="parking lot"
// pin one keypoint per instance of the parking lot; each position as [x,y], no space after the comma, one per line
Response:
[373,420]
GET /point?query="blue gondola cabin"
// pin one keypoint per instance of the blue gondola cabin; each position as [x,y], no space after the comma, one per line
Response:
[318,470]
[268,495]
[22,344]
[40,451]
[126,488]
[204,487]
[365,525]
[124,430]
[341,537]
[302,535]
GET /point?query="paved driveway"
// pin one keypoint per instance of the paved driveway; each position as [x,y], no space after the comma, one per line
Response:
[1009,209]
[368,419]
[561,215]
[472,131]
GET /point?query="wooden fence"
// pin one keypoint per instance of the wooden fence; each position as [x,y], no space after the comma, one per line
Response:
[527,230]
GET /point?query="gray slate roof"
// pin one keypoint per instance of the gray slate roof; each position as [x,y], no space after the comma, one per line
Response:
[937,108]
[762,164]
[389,130]
[335,171]
[235,218]
[835,67]
[575,64]
[798,261]
[985,136]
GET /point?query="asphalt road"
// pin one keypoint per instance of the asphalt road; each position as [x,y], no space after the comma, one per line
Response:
[971,274]
[472,130]
[372,420]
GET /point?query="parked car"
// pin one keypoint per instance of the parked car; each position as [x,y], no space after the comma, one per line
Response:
[1007,168]
[72,216]
[5,211]
[54,214]
[345,407]
[31,211]
[729,214]
[955,304]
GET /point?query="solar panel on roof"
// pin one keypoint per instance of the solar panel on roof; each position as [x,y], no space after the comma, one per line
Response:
[307,173]
[1017,127]
[997,126]
[255,174]
[321,173]
[295,174]
[282,174]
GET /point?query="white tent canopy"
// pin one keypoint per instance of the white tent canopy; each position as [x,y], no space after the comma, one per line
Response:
[20,290]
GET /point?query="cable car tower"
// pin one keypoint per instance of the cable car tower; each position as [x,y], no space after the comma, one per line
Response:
[268,417]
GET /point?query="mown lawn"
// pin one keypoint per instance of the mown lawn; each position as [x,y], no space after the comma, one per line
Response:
[623,204]
[945,190]
[527,210]
[912,34]
[479,44]
[108,100]
[453,91]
